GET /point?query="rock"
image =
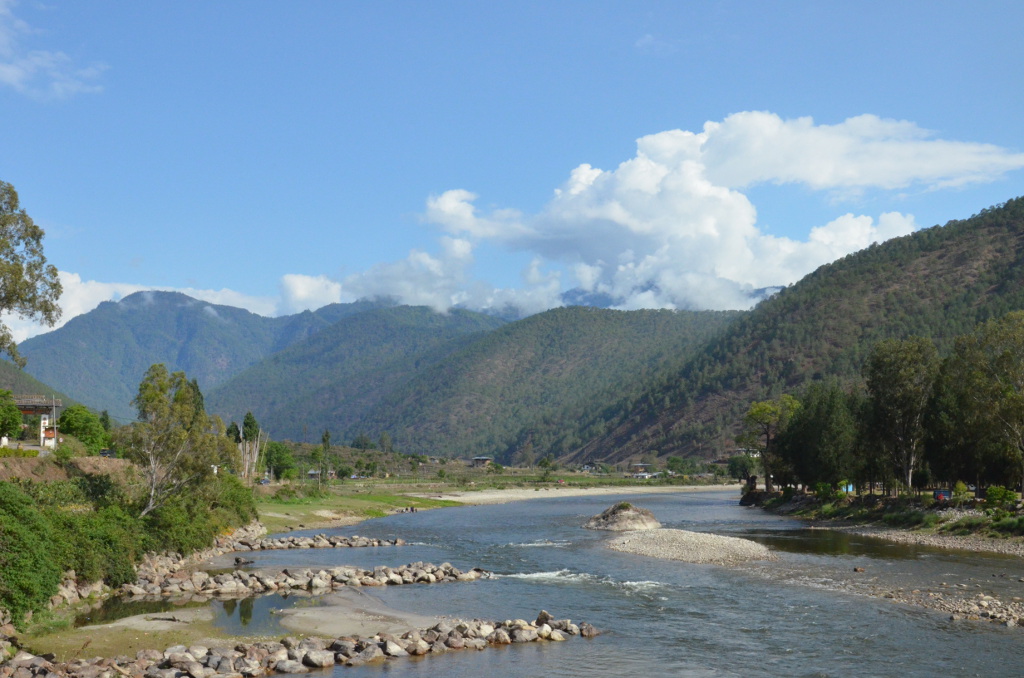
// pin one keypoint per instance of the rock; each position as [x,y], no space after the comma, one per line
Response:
[623,517]
[319,658]
[290,666]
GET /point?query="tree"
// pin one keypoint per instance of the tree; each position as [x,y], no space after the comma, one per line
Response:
[991,360]
[763,422]
[29,287]
[900,377]
[174,442]
[385,442]
[10,415]
[820,440]
[363,442]
[279,459]
[741,467]
[234,433]
[250,445]
[78,421]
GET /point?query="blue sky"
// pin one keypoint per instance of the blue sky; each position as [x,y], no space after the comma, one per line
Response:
[281,156]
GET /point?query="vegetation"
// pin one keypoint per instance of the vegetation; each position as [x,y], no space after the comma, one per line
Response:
[29,287]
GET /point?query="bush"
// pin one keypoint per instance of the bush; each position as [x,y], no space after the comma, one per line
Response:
[911,519]
[1010,525]
[961,495]
[968,525]
[997,496]
[29,573]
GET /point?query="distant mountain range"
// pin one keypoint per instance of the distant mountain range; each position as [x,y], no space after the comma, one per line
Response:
[581,383]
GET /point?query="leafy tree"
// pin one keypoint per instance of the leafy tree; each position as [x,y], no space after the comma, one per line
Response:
[762,424]
[363,442]
[279,460]
[992,360]
[174,442]
[900,377]
[233,433]
[742,467]
[250,428]
[819,443]
[105,421]
[78,421]
[29,287]
[10,415]
[385,442]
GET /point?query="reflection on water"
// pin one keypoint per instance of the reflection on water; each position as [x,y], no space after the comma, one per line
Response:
[112,609]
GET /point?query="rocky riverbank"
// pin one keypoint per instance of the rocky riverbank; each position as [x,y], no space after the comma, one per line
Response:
[291,655]
[690,547]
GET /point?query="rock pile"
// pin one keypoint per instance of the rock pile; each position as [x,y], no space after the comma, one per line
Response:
[299,656]
[320,541]
[238,584]
[622,517]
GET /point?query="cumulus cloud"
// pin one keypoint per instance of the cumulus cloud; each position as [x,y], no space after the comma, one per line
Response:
[302,292]
[41,74]
[672,227]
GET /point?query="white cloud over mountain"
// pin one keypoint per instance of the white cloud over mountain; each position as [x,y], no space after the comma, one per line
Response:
[670,227]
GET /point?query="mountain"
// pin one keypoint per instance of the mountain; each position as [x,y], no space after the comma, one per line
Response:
[937,283]
[100,357]
[528,385]
[330,380]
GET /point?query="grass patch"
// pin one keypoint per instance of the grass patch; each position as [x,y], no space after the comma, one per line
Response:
[967,525]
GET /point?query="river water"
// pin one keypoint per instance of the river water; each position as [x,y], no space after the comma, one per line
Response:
[803,615]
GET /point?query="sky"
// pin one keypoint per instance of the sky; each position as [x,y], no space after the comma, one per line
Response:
[281,156]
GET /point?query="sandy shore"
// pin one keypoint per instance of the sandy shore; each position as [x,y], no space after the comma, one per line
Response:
[351,612]
[522,494]
[690,547]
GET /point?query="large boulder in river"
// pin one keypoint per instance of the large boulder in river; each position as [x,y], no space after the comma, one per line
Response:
[623,516]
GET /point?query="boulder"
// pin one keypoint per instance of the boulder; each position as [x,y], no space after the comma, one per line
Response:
[623,517]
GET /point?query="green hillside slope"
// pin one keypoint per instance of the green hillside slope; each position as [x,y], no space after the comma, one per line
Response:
[936,283]
[332,379]
[523,390]
[99,357]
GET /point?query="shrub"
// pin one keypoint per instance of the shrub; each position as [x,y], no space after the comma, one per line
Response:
[1010,525]
[967,525]
[911,519]
[961,495]
[29,574]
[998,496]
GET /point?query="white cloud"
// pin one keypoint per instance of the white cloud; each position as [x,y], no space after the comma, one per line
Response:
[302,292]
[671,227]
[41,74]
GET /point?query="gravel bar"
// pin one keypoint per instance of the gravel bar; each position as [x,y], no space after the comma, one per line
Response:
[690,547]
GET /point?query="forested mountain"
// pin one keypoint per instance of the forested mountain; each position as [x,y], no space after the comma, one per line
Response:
[99,358]
[332,379]
[937,283]
[19,383]
[521,392]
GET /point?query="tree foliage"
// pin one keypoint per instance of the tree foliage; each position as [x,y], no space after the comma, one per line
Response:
[174,442]
[29,287]
[765,420]
[900,377]
[79,421]
[10,415]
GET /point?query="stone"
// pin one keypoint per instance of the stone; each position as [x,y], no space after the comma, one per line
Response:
[319,658]
[623,517]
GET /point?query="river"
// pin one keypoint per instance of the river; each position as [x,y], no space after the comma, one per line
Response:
[803,615]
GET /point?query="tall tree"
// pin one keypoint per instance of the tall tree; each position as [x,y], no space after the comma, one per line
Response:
[819,441]
[250,445]
[762,424]
[29,287]
[900,376]
[992,360]
[174,442]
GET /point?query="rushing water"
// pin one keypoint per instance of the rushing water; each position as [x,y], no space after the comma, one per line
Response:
[799,616]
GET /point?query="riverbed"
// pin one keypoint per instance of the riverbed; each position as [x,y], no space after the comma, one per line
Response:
[807,613]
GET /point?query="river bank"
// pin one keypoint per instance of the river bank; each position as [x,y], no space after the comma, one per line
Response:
[506,496]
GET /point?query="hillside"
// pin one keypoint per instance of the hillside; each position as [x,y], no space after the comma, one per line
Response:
[99,358]
[21,383]
[333,378]
[523,390]
[936,283]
